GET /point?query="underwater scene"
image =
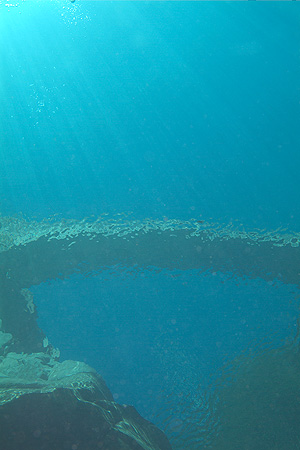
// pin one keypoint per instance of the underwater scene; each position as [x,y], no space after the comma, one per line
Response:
[149,225]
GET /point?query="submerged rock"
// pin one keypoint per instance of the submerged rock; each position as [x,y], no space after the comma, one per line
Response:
[47,405]
[5,338]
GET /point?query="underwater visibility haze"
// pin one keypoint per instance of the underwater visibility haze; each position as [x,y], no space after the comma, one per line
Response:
[149,209]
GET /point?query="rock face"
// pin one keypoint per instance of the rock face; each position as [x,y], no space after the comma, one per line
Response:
[44,404]
[47,405]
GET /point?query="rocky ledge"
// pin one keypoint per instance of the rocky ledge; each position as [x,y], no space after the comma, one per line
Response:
[48,405]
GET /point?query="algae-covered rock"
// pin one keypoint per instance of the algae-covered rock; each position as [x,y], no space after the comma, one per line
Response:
[47,405]
[5,338]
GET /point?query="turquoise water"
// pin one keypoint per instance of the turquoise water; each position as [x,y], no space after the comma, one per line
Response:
[177,109]
[166,110]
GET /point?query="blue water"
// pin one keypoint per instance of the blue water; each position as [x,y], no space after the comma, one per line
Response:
[178,109]
[123,323]
[158,109]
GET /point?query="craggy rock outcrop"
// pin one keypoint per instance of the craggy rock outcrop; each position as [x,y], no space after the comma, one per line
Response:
[47,405]
[33,252]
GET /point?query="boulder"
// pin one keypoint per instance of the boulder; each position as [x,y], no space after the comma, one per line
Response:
[48,405]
